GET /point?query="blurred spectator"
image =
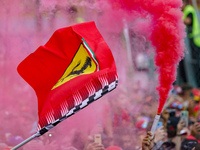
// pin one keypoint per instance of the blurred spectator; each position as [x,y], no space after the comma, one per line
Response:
[164,117]
[186,97]
[188,144]
[193,29]
[73,15]
[181,99]
[192,140]
[141,107]
[119,115]
[177,139]
[196,93]
[195,131]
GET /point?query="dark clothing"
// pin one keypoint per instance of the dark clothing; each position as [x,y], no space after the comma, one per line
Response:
[182,71]
[190,25]
[195,55]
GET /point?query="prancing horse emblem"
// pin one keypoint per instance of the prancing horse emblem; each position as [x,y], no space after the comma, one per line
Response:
[82,63]
[84,67]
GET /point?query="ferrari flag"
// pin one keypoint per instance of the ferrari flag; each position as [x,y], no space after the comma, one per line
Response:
[73,69]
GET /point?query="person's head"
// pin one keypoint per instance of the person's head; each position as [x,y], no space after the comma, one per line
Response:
[186,89]
[165,114]
[185,3]
[72,10]
[72,13]
[177,106]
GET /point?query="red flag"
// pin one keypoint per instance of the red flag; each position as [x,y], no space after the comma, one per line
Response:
[74,68]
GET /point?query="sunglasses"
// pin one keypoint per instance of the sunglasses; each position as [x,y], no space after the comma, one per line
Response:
[178,106]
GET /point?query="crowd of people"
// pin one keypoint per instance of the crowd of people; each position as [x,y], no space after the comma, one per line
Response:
[178,127]
[180,117]
[124,123]
[180,120]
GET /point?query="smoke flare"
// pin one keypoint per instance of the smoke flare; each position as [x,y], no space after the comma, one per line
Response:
[167,34]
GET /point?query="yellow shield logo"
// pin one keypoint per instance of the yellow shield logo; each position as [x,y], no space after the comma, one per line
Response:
[82,63]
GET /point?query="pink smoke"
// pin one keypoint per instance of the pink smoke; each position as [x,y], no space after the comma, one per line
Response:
[28,24]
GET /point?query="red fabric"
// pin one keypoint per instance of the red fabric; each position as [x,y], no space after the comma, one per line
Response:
[120,119]
[196,108]
[196,92]
[43,68]
[190,137]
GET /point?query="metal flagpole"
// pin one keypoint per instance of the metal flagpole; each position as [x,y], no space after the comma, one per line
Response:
[128,44]
[24,142]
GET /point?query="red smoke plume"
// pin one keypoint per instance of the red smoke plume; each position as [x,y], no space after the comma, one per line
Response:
[166,36]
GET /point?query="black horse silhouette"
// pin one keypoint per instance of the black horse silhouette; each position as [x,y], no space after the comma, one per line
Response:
[84,67]
[78,72]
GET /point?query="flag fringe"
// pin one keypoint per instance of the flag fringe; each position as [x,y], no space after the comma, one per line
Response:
[82,97]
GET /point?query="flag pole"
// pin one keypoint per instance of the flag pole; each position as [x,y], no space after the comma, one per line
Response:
[128,44]
[155,123]
[24,142]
